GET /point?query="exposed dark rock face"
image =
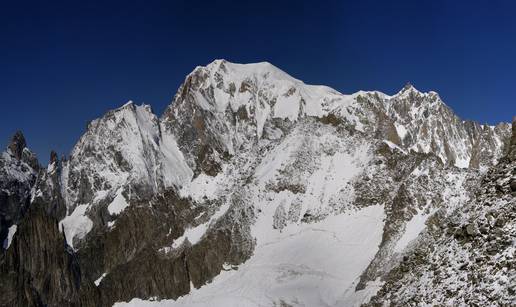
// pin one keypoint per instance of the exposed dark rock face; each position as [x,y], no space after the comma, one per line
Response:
[18,173]
[151,273]
[201,135]
[17,145]
[18,148]
[39,269]
[512,150]
[47,189]
[53,157]
[144,226]
[129,257]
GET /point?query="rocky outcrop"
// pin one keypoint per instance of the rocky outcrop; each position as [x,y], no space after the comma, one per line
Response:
[18,149]
[47,189]
[466,257]
[18,173]
[17,145]
[39,269]
[424,123]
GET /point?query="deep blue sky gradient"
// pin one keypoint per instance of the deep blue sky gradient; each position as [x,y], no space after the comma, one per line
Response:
[65,63]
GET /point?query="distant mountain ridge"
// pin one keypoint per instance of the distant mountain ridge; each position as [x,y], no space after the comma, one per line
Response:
[244,159]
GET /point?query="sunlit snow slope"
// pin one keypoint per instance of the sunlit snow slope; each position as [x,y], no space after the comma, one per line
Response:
[308,264]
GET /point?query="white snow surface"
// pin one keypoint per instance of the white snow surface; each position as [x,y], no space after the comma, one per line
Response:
[394,146]
[99,280]
[10,235]
[118,204]
[203,186]
[401,130]
[309,264]
[76,225]
[412,229]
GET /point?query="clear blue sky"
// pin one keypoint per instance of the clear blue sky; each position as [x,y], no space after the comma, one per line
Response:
[65,63]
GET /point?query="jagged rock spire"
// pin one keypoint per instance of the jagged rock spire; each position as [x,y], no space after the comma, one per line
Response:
[408,86]
[53,157]
[17,144]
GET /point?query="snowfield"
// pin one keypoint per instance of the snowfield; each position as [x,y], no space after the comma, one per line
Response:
[306,264]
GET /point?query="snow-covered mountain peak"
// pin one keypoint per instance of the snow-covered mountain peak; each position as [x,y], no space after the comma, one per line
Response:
[122,157]
[124,151]
[409,91]
[223,106]
[18,162]
[229,105]
[129,103]
[222,84]
[260,69]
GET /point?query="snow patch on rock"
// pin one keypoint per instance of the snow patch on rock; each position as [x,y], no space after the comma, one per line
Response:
[118,204]
[10,236]
[412,230]
[76,225]
[99,280]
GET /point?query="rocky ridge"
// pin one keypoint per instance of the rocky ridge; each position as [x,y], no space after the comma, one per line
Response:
[468,257]
[245,160]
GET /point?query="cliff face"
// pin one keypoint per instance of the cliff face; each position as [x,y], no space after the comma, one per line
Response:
[18,172]
[38,269]
[251,182]
[512,150]
[467,257]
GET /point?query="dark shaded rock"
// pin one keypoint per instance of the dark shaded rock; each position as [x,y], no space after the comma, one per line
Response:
[512,149]
[147,223]
[330,119]
[513,185]
[17,145]
[136,265]
[39,269]
[48,189]
[53,157]
[147,275]
[18,173]
[18,149]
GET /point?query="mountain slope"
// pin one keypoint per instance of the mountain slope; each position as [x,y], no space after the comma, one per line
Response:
[253,187]
[18,171]
[466,258]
